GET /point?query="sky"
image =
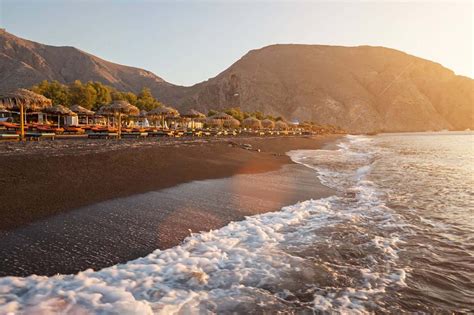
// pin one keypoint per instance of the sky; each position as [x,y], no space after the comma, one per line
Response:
[186,42]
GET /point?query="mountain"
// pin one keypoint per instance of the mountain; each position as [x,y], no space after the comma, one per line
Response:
[361,89]
[24,63]
[358,88]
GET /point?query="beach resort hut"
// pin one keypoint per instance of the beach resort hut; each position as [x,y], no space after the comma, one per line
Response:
[60,110]
[252,123]
[82,112]
[231,123]
[119,109]
[268,124]
[194,118]
[22,100]
[281,125]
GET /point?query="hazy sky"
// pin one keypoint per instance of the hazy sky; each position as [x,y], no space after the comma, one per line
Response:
[187,42]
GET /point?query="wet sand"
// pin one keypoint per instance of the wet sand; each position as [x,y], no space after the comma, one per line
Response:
[136,198]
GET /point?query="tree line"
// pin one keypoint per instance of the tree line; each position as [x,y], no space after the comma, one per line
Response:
[92,95]
[240,115]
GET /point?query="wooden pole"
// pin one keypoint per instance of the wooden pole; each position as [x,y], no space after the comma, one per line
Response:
[22,123]
[119,125]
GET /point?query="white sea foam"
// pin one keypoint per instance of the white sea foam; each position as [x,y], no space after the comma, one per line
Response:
[255,264]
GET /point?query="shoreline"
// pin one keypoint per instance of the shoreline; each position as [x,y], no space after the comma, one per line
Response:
[119,229]
[43,179]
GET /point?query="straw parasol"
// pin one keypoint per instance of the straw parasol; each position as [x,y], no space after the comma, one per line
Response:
[268,124]
[163,112]
[60,110]
[22,99]
[82,111]
[192,115]
[292,125]
[304,125]
[222,116]
[212,122]
[231,123]
[120,108]
[252,123]
[281,125]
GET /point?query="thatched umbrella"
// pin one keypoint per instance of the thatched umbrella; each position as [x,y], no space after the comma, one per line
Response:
[222,116]
[304,126]
[22,99]
[212,122]
[60,110]
[164,112]
[268,124]
[154,115]
[193,114]
[292,125]
[281,125]
[252,123]
[231,123]
[120,108]
[82,111]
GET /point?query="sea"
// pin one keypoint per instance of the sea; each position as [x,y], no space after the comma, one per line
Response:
[397,237]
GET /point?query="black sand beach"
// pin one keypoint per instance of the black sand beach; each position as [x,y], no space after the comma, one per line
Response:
[84,207]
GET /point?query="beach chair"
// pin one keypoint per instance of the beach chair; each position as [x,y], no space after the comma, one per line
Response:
[74,130]
[103,135]
[40,136]
[9,137]
[134,135]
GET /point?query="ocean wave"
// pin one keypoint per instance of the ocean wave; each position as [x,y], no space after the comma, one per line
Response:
[334,254]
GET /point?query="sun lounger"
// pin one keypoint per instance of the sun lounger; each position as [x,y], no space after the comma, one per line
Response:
[40,135]
[73,130]
[9,137]
[134,134]
[72,136]
[159,133]
[103,135]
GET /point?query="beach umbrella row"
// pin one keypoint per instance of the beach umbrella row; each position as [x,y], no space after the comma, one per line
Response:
[23,99]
